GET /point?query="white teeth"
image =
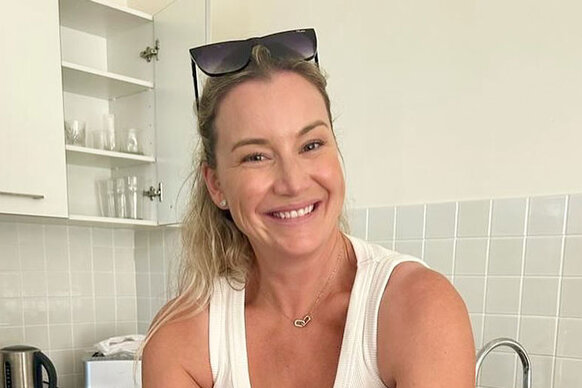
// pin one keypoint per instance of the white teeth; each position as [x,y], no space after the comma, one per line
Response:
[295,213]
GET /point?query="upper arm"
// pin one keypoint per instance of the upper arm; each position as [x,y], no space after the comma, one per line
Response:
[424,332]
[177,356]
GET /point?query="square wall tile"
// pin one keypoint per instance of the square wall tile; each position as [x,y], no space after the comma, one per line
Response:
[546,216]
[58,284]
[30,234]
[10,312]
[568,373]
[413,247]
[124,261]
[81,284]
[123,238]
[142,260]
[543,255]
[573,256]
[473,219]
[56,236]
[83,335]
[103,259]
[125,284]
[32,257]
[61,336]
[80,235]
[104,283]
[34,283]
[59,309]
[502,295]
[505,256]
[57,258]
[497,326]
[570,304]
[11,335]
[80,255]
[471,290]
[37,336]
[543,367]
[126,309]
[409,222]
[105,309]
[440,220]
[540,296]
[9,258]
[102,237]
[477,328]
[357,219]
[35,311]
[471,256]
[538,335]
[498,370]
[381,223]
[125,328]
[438,254]
[141,239]
[570,337]
[83,309]
[508,217]
[8,233]
[10,285]
[574,223]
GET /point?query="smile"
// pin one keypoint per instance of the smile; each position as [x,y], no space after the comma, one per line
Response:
[294,213]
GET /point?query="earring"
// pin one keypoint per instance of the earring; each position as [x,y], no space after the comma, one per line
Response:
[223,203]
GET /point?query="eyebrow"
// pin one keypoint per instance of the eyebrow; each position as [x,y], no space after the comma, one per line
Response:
[262,141]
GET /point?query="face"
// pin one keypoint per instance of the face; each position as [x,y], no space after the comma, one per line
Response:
[278,165]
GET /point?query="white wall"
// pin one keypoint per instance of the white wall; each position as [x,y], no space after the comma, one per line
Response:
[442,100]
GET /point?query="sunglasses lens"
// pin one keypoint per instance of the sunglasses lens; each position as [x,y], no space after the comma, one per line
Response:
[222,58]
[294,43]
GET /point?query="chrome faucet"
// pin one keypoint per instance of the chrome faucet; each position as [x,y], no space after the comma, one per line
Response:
[520,350]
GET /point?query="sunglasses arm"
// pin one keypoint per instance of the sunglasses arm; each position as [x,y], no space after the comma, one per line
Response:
[195,78]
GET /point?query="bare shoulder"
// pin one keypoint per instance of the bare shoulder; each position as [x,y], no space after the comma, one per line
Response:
[177,354]
[424,332]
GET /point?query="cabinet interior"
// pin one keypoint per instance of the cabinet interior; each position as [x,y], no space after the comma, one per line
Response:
[103,73]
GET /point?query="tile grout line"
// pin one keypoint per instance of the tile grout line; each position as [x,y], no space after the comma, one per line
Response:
[485,277]
[559,299]
[521,279]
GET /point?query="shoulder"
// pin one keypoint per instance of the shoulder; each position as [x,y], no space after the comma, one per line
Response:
[424,332]
[177,354]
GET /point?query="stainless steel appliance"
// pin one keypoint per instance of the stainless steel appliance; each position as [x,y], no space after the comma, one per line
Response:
[21,367]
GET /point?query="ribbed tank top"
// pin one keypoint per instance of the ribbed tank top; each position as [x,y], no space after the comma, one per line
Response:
[357,365]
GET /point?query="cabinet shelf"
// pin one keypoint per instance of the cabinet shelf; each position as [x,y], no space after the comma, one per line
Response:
[92,82]
[109,221]
[100,17]
[92,157]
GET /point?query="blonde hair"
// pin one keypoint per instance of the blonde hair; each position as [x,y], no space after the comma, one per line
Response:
[212,245]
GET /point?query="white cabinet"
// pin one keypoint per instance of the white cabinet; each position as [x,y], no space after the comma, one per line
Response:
[103,73]
[32,159]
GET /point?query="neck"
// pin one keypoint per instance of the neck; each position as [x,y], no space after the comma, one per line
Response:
[292,284]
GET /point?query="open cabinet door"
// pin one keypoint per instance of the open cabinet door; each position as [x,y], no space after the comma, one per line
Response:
[178,27]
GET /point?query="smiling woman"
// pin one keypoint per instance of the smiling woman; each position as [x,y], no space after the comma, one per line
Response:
[272,291]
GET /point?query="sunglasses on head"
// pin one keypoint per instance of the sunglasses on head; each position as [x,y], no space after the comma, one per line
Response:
[223,58]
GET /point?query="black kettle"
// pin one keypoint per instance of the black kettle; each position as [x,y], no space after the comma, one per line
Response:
[21,367]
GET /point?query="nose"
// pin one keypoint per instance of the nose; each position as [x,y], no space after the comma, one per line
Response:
[291,177]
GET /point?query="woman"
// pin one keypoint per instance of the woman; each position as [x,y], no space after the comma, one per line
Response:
[272,292]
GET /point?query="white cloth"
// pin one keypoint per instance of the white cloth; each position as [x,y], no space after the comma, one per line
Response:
[357,363]
[123,344]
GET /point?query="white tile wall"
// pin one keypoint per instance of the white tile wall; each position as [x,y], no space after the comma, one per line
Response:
[63,288]
[517,263]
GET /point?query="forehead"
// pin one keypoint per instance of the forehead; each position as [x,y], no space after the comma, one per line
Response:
[280,105]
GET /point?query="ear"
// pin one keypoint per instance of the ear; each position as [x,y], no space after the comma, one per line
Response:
[212,184]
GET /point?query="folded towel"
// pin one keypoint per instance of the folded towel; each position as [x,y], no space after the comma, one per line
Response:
[123,344]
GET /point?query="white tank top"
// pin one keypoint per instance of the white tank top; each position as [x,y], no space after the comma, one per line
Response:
[357,365]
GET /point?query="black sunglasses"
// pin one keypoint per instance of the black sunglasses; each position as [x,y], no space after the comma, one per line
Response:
[223,58]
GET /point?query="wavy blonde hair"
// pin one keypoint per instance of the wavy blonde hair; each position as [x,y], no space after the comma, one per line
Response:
[212,245]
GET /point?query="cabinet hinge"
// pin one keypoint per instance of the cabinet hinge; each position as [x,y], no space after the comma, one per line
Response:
[153,192]
[150,52]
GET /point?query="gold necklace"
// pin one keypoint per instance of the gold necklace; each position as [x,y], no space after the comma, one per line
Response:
[302,322]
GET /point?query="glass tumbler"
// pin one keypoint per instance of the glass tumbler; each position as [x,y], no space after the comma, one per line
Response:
[134,198]
[106,196]
[75,133]
[120,198]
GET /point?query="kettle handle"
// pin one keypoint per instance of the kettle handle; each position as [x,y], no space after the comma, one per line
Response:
[49,367]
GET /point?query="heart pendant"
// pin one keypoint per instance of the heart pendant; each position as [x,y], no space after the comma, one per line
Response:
[302,322]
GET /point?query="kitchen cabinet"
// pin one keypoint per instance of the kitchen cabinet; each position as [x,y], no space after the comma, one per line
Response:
[32,160]
[103,73]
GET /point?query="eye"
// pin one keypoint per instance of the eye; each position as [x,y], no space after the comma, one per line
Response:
[255,157]
[312,145]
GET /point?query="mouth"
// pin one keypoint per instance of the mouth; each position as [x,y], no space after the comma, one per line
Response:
[295,213]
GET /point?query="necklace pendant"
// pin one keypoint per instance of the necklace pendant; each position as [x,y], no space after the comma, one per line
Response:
[301,323]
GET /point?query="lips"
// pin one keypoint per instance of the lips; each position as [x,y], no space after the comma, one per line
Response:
[294,213]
